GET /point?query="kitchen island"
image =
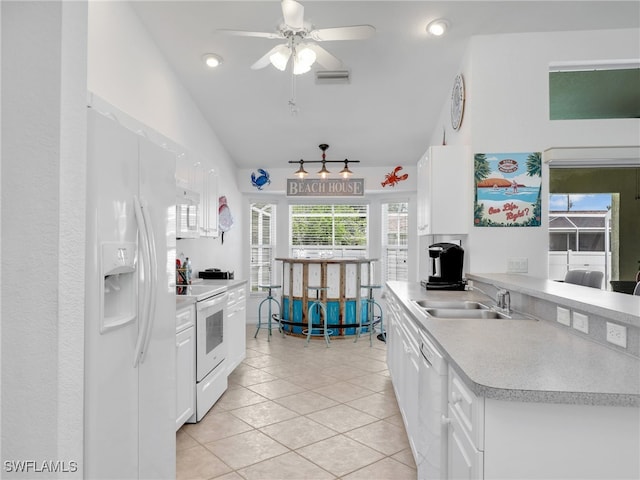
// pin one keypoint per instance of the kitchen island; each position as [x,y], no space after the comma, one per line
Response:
[340,280]
[524,396]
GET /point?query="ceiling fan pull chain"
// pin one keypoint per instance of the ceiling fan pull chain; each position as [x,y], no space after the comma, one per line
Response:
[293,108]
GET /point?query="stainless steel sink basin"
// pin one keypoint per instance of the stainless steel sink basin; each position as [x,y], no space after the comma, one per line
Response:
[457,305]
[462,313]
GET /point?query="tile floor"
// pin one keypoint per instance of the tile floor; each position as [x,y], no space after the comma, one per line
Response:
[292,412]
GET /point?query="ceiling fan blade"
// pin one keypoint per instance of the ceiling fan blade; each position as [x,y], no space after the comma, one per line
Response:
[293,14]
[265,60]
[244,33]
[354,32]
[326,59]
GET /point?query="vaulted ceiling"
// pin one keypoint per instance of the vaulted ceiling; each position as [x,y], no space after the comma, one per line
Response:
[399,78]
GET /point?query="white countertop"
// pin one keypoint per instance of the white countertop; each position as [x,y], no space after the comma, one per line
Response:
[213,285]
[621,307]
[525,360]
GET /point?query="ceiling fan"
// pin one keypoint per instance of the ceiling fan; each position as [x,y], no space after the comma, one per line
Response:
[297,48]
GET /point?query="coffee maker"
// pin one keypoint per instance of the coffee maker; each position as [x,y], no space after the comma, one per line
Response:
[446,267]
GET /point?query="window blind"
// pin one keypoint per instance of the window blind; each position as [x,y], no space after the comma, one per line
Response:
[262,230]
[329,230]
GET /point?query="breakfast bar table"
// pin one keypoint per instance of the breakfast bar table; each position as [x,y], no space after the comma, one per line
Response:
[340,280]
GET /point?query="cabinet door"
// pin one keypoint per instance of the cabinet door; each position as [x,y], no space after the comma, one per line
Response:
[411,392]
[464,460]
[236,329]
[392,338]
[185,375]
[209,198]
[444,191]
[423,204]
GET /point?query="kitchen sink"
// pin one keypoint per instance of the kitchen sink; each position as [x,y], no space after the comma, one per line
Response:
[461,313]
[457,305]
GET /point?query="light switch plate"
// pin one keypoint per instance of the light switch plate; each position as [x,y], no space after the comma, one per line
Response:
[581,322]
[517,265]
[564,316]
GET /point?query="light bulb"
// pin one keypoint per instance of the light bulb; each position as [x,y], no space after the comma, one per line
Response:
[306,56]
[212,60]
[304,59]
[438,27]
[299,68]
[280,58]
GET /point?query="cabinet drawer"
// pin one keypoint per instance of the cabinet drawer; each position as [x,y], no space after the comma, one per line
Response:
[236,295]
[185,317]
[468,407]
[464,460]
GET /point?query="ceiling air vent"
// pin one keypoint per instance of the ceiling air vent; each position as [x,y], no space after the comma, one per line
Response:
[332,76]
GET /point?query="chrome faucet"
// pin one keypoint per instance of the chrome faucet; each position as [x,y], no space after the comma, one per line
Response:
[503,301]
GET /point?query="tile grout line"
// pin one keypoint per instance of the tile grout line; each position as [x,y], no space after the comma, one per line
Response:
[282,360]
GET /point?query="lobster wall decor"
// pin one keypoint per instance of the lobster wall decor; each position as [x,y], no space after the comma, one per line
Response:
[390,179]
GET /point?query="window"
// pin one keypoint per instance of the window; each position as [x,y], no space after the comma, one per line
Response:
[263,227]
[328,230]
[395,232]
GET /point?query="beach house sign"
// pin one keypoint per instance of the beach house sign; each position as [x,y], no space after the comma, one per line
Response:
[325,187]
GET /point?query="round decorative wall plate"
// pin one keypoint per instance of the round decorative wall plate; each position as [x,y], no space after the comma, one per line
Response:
[457,102]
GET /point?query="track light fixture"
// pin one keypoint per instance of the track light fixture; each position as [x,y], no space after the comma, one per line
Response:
[323,172]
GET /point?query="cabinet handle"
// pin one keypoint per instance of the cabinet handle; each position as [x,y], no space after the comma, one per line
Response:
[445,420]
[455,398]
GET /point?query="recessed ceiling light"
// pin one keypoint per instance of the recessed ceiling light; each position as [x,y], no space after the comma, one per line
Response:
[438,27]
[212,60]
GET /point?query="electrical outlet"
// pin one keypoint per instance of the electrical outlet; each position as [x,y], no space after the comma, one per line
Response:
[564,316]
[517,265]
[581,322]
[617,334]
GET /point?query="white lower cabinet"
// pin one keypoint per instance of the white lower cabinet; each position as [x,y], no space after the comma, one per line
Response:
[465,461]
[402,359]
[465,439]
[501,439]
[185,365]
[236,327]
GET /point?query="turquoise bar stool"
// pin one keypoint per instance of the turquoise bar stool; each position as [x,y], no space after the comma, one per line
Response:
[320,309]
[270,298]
[371,320]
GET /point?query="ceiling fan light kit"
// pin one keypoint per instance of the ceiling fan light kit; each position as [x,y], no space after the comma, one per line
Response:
[296,32]
[324,172]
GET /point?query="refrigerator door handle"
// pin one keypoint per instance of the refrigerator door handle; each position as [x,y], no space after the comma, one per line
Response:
[146,296]
[153,284]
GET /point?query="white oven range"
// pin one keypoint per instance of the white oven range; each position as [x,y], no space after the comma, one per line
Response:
[211,350]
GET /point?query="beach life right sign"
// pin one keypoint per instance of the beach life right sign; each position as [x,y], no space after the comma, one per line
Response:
[507,189]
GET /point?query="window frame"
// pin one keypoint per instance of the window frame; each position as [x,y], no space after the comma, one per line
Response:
[386,247]
[270,247]
[332,249]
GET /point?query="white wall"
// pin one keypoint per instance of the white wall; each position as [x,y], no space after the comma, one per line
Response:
[43,172]
[507,110]
[141,83]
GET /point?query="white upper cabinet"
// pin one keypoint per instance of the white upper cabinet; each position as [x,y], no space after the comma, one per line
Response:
[209,202]
[194,175]
[444,191]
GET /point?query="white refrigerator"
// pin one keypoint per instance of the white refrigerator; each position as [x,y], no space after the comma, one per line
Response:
[130,386]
